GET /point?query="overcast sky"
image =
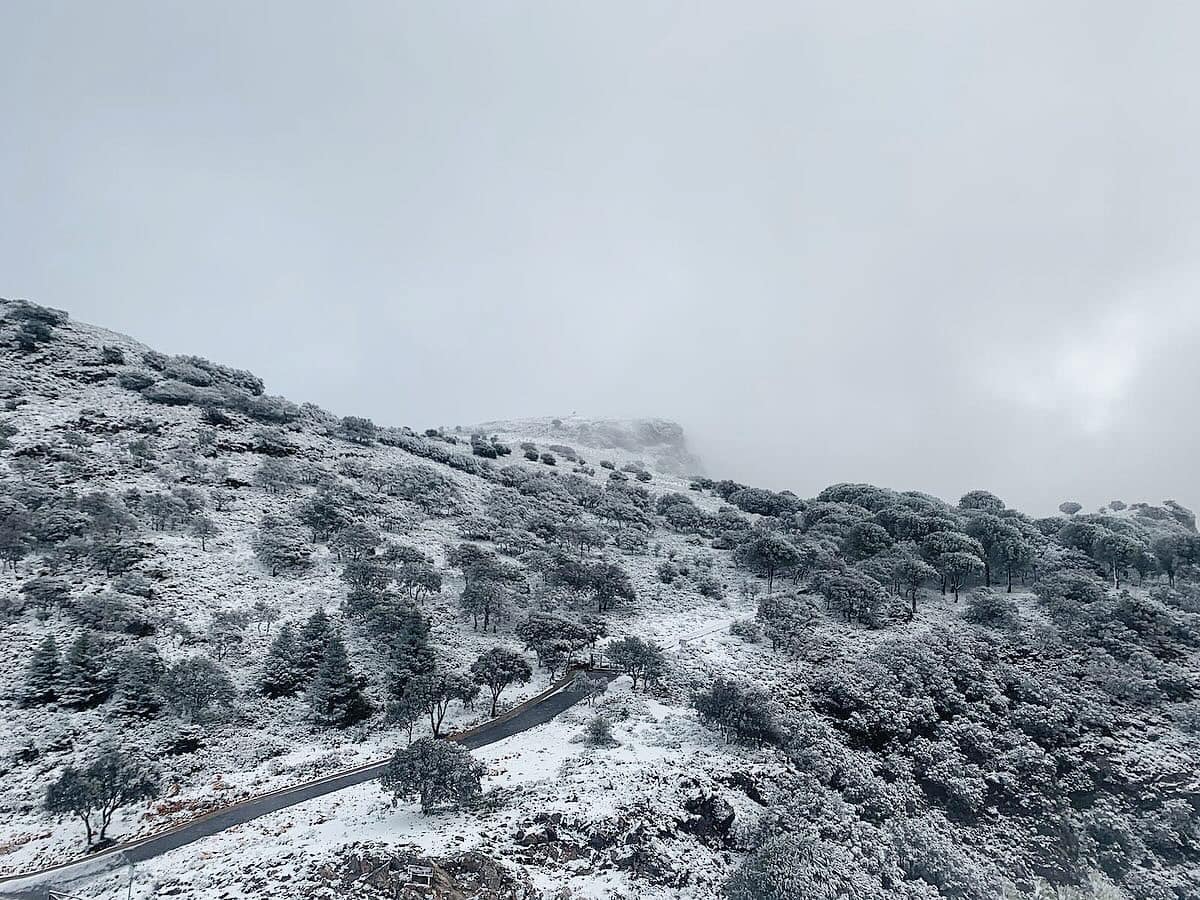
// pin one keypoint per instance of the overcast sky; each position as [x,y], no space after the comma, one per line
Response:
[928,245]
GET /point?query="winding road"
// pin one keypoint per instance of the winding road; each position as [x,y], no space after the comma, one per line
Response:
[532,712]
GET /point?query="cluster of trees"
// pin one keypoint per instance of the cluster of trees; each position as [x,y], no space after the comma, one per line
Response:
[740,712]
[488,448]
[219,391]
[312,658]
[1028,735]
[138,681]
[30,324]
[640,659]
[554,640]
[859,546]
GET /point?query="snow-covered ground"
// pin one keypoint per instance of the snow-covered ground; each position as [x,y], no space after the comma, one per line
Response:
[544,774]
[269,744]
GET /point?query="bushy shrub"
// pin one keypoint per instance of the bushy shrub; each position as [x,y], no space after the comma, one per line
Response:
[994,610]
[169,393]
[742,713]
[599,733]
[181,370]
[481,447]
[747,629]
[155,360]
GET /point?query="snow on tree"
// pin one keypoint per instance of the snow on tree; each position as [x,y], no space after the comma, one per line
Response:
[41,674]
[741,713]
[194,685]
[46,592]
[335,694]
[497,668]
[227,631]
[599,733]
[910,573]
[439,773]
[641,660]
[138,691]
[94,794]
[792,865]
[981,501]
[315,635]
[275,475]
[439,689]
[281,544]
[767,553]
[553,639]
[357,430]
[84,680]
[204,528]
[852,594]
[283,670]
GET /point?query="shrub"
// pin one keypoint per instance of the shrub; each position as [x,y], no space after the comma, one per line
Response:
[988,608]
[182,370]
[481,447]
[548,459]
[747,629]
[742,714]
[155,360]
[169,393]
[599,733]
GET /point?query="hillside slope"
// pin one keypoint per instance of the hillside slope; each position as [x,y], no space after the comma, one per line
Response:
[839,690]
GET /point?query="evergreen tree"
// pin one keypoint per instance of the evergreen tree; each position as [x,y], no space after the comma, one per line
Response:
[85,680]
[139,684]
[283,672]
[336,693]
[41,676]
[313,640]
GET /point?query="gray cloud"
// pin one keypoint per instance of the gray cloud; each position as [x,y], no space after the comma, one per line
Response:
[933,246]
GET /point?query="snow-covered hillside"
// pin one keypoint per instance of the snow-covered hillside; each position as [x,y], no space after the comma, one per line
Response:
[873,718]
[75,425]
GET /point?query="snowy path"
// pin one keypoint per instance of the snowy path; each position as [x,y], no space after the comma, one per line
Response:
[534,711]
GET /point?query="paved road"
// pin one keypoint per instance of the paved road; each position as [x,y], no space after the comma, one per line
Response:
[521,718]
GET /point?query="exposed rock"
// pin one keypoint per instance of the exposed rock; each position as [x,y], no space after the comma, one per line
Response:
[711,820]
